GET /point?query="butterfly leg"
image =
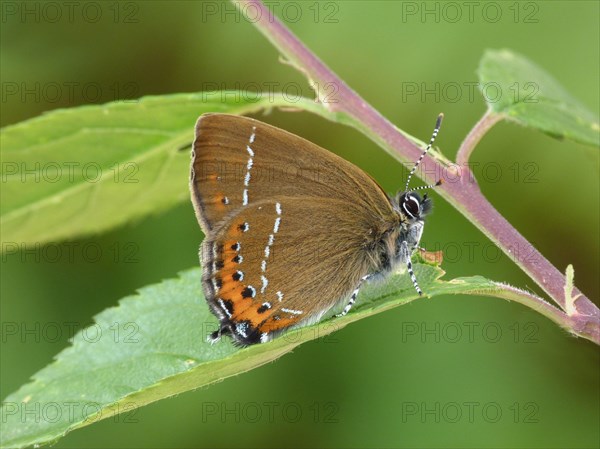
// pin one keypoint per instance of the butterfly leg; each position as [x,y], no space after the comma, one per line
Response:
[353,297]
[407,253]
[216,335]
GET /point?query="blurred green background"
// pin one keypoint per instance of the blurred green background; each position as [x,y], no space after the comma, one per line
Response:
[399,379]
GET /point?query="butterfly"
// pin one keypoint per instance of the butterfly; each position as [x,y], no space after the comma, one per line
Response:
[292,231]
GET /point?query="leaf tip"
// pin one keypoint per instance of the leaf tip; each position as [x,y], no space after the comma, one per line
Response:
[569,300]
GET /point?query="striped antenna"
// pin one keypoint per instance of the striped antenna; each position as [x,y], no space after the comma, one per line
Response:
[439,183]
[438,124]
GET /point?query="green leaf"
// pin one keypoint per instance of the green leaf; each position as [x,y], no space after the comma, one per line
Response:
[522,92]
[83,170]
[153,345]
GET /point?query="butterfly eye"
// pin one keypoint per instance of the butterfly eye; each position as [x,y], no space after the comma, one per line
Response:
[411,206]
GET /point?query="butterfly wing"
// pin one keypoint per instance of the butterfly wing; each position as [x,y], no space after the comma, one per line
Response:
[238,160]
[290,227]
[269,267]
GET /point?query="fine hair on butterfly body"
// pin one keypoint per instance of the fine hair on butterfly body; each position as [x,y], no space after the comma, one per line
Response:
[292,230]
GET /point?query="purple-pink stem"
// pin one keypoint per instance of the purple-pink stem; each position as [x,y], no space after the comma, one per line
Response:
[460,190]
[488,120]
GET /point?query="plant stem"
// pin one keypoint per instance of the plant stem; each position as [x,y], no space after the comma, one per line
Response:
[460,189]
[488,120]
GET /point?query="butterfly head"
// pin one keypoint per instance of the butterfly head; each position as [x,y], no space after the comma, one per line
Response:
[412,206]
[409,202]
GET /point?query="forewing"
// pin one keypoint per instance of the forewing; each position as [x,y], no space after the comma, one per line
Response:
[238,161]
